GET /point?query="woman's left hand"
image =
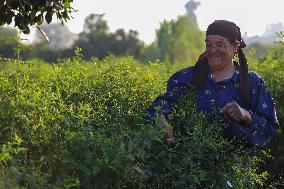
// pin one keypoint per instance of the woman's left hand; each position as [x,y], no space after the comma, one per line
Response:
[237,113]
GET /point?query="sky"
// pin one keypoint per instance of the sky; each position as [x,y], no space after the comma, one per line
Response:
[252,16]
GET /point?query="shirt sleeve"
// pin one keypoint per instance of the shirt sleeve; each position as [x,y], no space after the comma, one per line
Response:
[176,85]
[264,120]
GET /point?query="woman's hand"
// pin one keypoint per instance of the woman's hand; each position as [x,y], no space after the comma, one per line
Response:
[234,111]
[164,123]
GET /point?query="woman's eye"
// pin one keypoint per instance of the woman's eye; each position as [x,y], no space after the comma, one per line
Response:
[220,45]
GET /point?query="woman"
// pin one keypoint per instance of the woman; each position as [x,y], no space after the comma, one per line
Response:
[224,85]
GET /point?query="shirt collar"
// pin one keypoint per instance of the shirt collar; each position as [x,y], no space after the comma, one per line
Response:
[234,78]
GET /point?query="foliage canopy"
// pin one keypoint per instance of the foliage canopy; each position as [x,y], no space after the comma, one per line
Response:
[27,13]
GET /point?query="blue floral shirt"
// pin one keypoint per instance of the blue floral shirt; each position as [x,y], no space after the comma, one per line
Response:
[214,95]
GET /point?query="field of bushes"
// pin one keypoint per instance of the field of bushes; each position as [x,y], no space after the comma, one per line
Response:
[81,124]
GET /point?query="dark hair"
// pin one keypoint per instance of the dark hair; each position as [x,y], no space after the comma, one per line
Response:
[230,31]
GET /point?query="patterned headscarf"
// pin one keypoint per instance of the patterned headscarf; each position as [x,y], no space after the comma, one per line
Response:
[226,29]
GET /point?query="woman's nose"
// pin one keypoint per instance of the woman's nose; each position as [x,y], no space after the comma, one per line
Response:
[211,49]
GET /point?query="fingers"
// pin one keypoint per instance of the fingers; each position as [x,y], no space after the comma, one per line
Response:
[232,111]
[226,107]
[235,116]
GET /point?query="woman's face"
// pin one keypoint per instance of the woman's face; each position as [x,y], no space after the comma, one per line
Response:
[220,51]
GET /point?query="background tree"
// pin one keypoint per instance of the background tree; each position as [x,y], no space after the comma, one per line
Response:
[165,40]
[9,40]
[126,43]
[180,40]
[150,53]
[97,41]
[94,38]
[26,13]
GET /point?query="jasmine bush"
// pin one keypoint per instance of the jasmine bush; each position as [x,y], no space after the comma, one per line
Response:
[82,125]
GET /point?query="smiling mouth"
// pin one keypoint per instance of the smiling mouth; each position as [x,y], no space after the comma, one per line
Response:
[214,57]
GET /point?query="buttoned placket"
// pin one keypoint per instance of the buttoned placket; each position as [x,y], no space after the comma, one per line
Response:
[217,99]
[211,91]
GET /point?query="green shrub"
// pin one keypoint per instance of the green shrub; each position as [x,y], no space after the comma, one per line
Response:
[271,69]
[82,125]
[200,156]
